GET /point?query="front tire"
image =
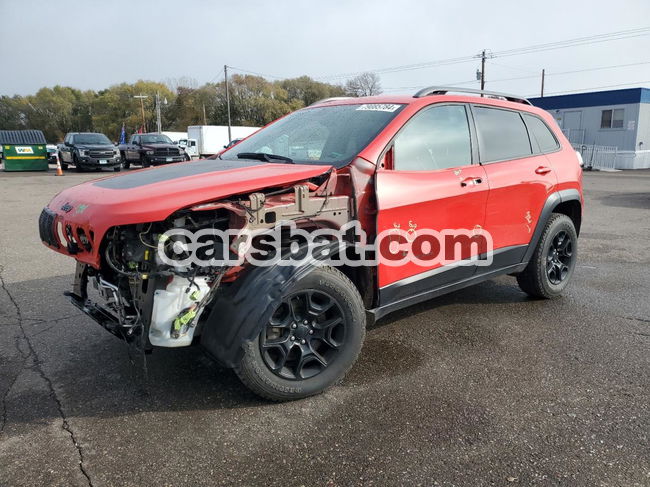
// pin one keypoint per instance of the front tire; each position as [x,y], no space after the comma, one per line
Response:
[553,263]
[77,166]
[311,341]
[144,162]
[126,163]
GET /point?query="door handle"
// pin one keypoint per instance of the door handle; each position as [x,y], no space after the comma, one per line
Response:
[543,170]
[470,181]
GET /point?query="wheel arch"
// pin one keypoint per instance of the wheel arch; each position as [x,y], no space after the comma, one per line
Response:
[567,202]
[573,209]
[239,312]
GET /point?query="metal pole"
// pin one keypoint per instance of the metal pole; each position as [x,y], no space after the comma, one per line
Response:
[483,70]
[543,73]
[225,72]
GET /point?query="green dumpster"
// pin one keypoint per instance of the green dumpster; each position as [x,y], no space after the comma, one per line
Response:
[23,150]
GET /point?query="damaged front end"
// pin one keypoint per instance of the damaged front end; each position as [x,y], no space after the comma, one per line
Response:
[141,297]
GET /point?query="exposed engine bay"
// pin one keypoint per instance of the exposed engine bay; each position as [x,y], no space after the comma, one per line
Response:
[140,297]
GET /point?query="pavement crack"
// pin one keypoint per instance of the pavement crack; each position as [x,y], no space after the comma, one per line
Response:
[6,395]
[38,366]
[634,318]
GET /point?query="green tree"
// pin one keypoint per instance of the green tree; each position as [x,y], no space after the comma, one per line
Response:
[116,106]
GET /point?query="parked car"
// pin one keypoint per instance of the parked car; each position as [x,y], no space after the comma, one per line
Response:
[403,170]
[52,151]
[88,150]
[151,149]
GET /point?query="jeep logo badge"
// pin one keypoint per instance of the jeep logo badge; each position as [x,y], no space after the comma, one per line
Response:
[67,207]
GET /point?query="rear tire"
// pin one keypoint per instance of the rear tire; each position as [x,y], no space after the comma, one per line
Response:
[324,346]
[551,267]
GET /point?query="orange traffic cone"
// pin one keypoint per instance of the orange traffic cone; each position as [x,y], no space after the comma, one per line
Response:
[59,171]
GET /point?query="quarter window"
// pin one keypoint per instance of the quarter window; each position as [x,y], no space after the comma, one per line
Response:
[502,134]
[541,136]
[436,138]
[612,119]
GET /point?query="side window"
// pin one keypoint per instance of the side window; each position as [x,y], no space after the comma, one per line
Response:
[502,134]
[612,119]
[541,136]
[436,138]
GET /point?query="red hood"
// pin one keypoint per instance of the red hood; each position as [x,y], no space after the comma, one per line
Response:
[154,194]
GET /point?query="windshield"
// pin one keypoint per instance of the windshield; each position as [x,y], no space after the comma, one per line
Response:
[99,139]
[332,134]
[155,139]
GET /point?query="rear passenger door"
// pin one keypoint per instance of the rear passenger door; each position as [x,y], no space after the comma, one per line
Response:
[520,179]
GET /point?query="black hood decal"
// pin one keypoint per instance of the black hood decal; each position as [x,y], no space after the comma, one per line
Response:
[173,171]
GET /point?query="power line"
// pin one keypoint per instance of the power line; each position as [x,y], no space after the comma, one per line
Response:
[517,78]
[578,41]
[592,88]
[241,70]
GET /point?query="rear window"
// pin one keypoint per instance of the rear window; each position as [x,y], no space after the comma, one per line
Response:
[541,136]
[502,134]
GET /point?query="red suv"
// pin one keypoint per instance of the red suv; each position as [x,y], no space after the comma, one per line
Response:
[489,177]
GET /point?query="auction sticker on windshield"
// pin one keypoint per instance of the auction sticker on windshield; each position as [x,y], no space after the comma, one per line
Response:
[379,107]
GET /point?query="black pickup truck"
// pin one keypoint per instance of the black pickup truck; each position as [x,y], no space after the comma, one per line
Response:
[151,149]
[88,150]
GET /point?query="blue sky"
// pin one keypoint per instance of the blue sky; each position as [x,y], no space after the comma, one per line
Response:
[91,44]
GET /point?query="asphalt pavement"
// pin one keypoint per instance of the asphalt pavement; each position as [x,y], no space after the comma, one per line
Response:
[481,387]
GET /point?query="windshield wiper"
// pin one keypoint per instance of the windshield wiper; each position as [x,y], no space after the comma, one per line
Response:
[264,156]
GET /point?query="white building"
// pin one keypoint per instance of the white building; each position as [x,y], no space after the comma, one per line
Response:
[615,122]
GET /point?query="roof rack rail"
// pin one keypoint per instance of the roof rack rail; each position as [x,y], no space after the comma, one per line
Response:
[333,98]
[443,90]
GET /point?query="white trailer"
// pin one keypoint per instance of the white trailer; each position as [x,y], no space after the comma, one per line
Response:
[212,139]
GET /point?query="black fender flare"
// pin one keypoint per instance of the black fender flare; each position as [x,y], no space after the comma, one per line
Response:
[240,310]
[552,202]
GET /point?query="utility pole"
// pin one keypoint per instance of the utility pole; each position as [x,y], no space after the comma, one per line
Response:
[205,119]
[158,121]
[225,72]
[144,121]
[482,70]
[543,75]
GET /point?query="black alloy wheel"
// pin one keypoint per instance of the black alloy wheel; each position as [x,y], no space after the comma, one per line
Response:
[559,257]
[304,335]
[553,261]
